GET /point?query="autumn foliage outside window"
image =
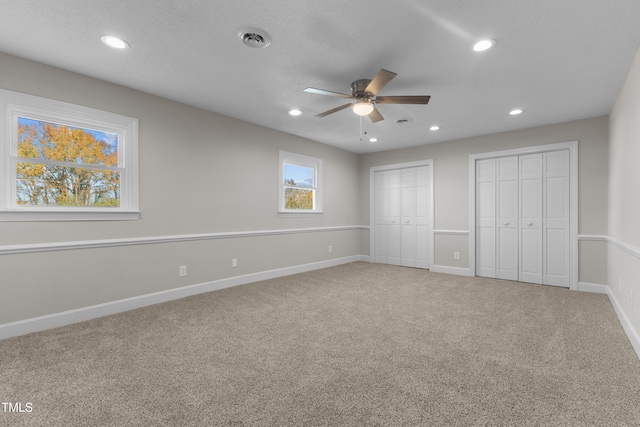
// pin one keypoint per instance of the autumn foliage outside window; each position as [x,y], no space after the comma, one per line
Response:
[297,198]
[300,183]
[298,192]
[59,165]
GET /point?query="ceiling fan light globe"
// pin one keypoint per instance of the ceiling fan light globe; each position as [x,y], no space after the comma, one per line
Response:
[362,108]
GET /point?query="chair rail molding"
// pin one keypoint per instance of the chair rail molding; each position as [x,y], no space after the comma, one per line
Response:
[89,244]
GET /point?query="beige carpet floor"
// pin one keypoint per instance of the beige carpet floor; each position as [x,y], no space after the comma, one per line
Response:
[357,344]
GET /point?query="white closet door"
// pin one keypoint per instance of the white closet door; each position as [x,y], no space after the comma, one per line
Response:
[423,217]
[408,179]
[393,224]
[486,218]
[381,215]
[530,226]
[402,216]
[387,217]
[556,228]
[507,218]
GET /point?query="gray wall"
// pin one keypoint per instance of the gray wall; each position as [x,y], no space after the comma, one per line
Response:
[451,184]
[205,173]
[200,172]
[624,202]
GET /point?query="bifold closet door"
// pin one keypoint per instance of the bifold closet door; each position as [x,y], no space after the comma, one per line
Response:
[403,216]
[497,218]
[522,218]
[387,217]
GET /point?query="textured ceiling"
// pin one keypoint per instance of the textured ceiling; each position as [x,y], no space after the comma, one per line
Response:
[559,60]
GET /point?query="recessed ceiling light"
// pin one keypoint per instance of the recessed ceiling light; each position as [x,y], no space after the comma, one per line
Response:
[483,45]
[434,127]
[373,139]
[516,111]
[114,42]
[295,112]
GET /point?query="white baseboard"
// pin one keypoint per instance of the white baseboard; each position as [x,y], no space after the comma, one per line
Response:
[458,271]
[593,288]
[55,320]
[632,334]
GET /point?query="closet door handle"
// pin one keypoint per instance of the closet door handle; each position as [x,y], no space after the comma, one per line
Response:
[406,222]
[393,222]
[506,223]
[529,224]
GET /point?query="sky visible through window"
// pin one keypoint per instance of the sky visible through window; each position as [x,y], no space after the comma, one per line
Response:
[301,175]
[108,137]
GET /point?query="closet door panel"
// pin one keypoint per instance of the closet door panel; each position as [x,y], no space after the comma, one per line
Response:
[381,215]
[408,179]
[423,217]
[393,244]
[381,244]
[507,218]
[393,227]
[423,191]
[556,230]
[530,224]
[422,247]
[408,249]
[486,217]
[556,262]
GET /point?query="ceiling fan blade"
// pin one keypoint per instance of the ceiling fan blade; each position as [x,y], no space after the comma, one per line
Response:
[375,115]
[402,99]
[379,81]
[327,92]
[333,110]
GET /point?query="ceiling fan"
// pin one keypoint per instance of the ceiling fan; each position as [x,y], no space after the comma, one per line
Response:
[365,93]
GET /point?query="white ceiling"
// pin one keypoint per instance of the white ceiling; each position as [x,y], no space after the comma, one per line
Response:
[559,60]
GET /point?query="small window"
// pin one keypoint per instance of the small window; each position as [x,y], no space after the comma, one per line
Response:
[65,162]
[300,183]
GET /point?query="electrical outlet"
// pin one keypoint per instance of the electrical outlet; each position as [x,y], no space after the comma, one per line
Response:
[234,262]
[182,271]
[456,255]
[330,248]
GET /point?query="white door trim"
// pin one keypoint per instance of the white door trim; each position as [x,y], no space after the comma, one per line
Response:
[572,146]
[372,171]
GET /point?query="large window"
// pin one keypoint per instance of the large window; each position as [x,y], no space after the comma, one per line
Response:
[64,162]
[300,183]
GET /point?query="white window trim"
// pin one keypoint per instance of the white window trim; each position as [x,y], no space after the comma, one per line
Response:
[300,160]
[14,104]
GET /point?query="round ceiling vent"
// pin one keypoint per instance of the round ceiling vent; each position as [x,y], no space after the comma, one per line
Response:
[254,37]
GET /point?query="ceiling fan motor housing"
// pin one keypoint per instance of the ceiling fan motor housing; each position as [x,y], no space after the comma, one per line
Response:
[358,89]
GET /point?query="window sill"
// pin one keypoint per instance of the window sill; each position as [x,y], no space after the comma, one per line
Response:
[299,214]
[32,215]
